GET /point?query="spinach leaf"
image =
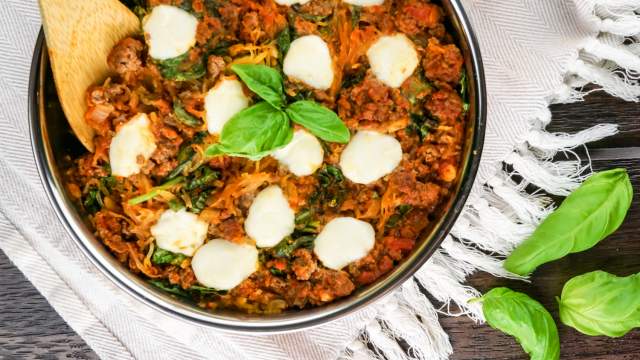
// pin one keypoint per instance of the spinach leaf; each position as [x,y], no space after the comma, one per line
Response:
[183,116]
[421,125]
[93,201]
[588,215]
[254,133]
[185,155]
[331,190]
[464,91]
[179,70]
[599,303]
[305,223]
[155,190]
[319,120]
[170,288]
[401,212]
[164,257]
[199,201]
[284,42]
[189,293]
[525,319]
[354,78]
[201,178]
[175,204]
[262,80]
[277,272]
[287,246]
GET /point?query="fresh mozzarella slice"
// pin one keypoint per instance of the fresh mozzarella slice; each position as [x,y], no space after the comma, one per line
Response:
[222,265]
[179,232]
[309,61]
[369,156]
[270,218]
[393,59]
[291,2]
[303,155]
[133,140]
[344,240]
[170,31]
[222,102]
[364,2]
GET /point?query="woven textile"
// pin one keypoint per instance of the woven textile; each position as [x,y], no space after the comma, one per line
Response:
[535,52]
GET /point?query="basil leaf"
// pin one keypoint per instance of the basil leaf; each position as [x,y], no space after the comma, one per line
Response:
[162,257]
[599,303]
[262,80]
[254,133]
[525,319]
[183,116]
[318,119]
[586,216]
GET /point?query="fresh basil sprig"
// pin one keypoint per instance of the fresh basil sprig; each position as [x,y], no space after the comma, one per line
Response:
[321,121]
[525,319]
[586,216]
[253,132]
[599,303]
[266,82]
[257,131]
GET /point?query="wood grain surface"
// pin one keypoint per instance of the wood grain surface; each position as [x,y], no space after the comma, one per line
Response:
[30,328]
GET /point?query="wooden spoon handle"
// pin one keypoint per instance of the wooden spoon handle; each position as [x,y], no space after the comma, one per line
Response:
[80,35]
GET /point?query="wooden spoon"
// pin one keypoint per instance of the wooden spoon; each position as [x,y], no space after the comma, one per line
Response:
[80,35]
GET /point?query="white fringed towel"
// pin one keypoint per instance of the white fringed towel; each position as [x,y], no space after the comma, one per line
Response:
[535,52]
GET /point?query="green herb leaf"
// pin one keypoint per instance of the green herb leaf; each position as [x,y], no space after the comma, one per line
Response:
[155,190]
[177,69]
[588,215]
[199,201]
[318,119]
[186,154]
[189,293]
[93,201]
[331,190]
[464,91]
[183,116]
[164,257]
[201,178]
[175,204]
[287,246]
[254,133]
[262,80]
[284,42]
[599,303]
[277,272]
[525,319]
[400,213]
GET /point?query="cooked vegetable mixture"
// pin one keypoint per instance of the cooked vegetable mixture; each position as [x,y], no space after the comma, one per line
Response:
[273,154]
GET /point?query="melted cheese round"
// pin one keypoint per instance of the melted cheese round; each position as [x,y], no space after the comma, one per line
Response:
[169,31]
[291,2]
[270,218]
[364,2]
[222,102]
[222,265]
[134,139]
[393,59]
[309,61]
[369,156]
[303,155]
[179,232]
[344,240]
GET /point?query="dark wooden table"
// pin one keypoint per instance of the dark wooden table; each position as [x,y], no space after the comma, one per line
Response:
[29,327]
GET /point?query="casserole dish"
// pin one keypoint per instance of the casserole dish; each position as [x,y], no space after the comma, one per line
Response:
[54,144]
